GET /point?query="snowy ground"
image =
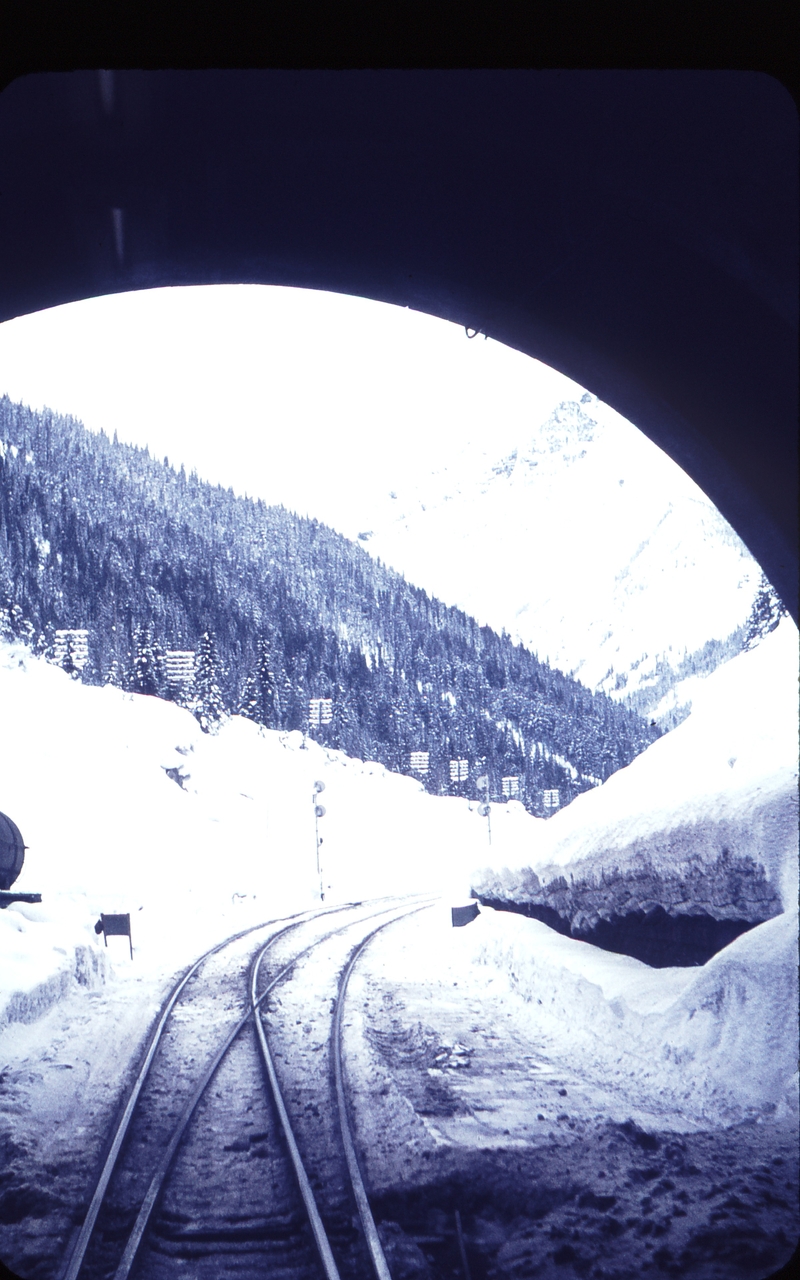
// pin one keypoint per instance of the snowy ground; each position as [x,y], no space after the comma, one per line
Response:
[560,1097]
[570,1103]
[109,830]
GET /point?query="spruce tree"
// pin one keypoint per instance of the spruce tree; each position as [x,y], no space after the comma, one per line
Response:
[207,703]
[45,643]
[766,613]
[145,670]
[249,704]
[265,684]
[112,675]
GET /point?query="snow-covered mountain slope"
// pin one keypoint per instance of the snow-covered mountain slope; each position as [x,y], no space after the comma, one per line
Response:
[585,542]
[688,816]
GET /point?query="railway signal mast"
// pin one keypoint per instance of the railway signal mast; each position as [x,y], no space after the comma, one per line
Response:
[484,808]
[319,812]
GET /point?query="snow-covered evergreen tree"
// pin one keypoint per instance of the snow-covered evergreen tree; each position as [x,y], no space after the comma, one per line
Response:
[113,675]
[265,684]
[45,643]
[208,706]
[26,632]
[284,700]
[15,626]
[766,613]
[258,699]
[249,704]
[145,667]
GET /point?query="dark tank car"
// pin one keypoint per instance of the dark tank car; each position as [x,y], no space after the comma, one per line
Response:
[12,856]
[12,851]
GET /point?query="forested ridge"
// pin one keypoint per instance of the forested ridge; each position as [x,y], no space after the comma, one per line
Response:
[279,609]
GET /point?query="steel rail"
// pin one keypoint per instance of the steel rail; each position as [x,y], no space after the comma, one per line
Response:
[162,1169]
[377,1256]
[81,1243]
[317,1228]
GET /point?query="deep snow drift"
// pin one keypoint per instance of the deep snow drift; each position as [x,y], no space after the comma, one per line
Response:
[704,821]
[709,1044]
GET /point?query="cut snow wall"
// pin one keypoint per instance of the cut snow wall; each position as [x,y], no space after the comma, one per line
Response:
[703,824]
[88,969]
[718,1043]
[759,823]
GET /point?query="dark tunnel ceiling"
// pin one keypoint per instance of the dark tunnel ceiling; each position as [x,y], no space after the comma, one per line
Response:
[636,230]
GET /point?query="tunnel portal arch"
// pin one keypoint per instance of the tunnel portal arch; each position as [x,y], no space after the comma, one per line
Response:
[635,230]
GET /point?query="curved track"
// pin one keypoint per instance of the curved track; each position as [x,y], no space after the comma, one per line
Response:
[357,1188]
[80,1244]
[97,1250]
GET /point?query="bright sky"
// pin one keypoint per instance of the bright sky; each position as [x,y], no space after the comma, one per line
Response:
[316,400]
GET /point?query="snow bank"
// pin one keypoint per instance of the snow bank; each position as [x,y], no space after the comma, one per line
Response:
[736,1024]
[126,806]
[726,778]
[46,952]
[715,1043]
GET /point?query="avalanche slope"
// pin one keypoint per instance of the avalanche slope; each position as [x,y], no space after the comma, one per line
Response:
[585,542]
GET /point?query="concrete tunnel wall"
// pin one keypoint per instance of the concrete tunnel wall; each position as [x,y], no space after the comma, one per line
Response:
[636,230]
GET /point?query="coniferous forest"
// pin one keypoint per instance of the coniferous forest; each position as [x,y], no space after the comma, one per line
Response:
[278,609]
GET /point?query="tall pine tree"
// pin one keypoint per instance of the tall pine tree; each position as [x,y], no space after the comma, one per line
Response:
[265,684]
[766,613]
[207,702]
[249,701]
[145,666]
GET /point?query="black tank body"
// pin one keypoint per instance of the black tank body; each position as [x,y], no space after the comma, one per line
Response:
[12,851]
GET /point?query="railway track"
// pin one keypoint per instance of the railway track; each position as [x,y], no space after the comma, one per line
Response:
[209,1173]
